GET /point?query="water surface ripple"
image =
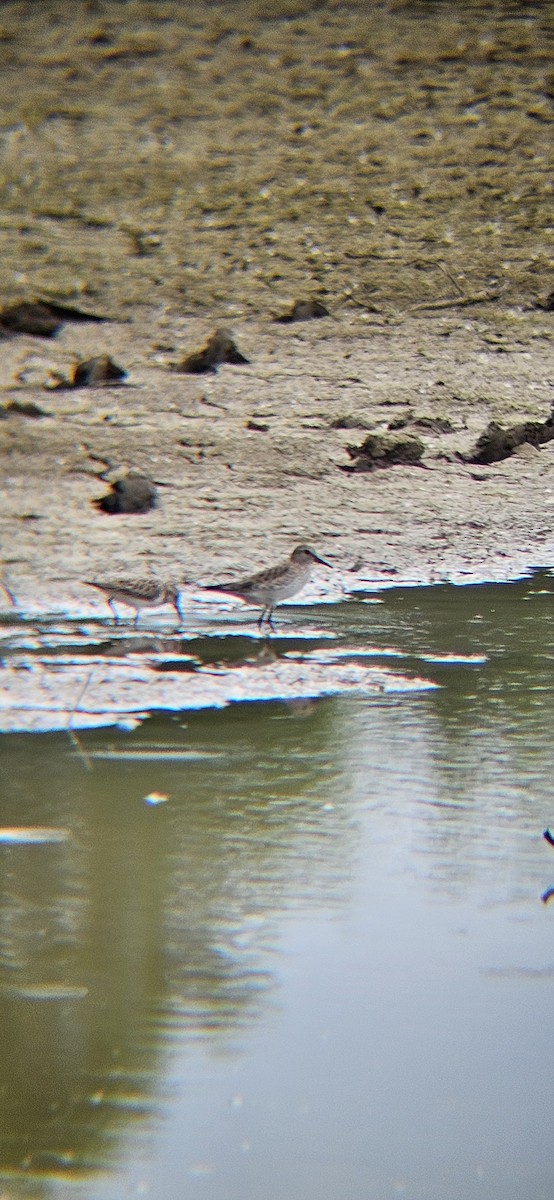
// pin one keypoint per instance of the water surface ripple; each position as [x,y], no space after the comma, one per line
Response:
[286,948]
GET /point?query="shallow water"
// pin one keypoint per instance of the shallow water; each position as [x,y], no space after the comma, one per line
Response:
[290,949]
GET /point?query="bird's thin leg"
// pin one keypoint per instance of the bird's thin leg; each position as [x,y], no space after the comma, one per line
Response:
[180,613]
[114,610]
[270,620]
[261,619]
[137,615]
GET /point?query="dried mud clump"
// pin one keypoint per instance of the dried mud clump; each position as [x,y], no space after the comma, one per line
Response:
[41,318]
[92,372]
[27,317]
[100,369]
[303,310]
[496,443]
[434,424]
[346,421]
[548,303]
[134,494]
[379,451]
[220,348]
[22,408]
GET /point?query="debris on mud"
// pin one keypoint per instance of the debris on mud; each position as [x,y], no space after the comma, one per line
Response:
[29,317]
[547,304]
[91,373]
[43,318]
[380,451]
[22,408]
[348,422]
[433,424]
[220,348]
[496,443]
[257,426]
[303,310]
[133,494]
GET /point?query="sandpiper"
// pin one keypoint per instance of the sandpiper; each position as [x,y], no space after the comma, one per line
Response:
[268,588]
[138,594]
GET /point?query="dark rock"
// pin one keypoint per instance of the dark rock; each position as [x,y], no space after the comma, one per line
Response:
[496,443]
[380,451]
[197,363]
[145,242]
[23,408]
[347,422]
[547,304]
[400,422]
[493,445]
[133,494]
[67,312]
[258,426]
[304,310]
[100,369]
[434,424]
[43,318]
[220,348]
[28,317]
[92,372]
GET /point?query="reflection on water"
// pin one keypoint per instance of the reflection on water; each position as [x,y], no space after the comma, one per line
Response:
[319,965]
[45,687]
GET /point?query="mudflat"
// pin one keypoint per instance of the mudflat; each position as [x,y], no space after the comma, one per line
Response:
[179,169]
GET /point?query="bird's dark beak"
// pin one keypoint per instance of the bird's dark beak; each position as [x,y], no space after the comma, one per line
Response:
[323,561]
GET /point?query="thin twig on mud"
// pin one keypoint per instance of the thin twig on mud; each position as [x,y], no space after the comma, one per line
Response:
[9,594]
[73,737]
[442,267]
[457,301]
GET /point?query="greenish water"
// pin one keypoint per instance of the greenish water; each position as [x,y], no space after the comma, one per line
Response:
[316,962]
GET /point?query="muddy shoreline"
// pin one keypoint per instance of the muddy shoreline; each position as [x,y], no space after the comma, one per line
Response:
[179,175]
